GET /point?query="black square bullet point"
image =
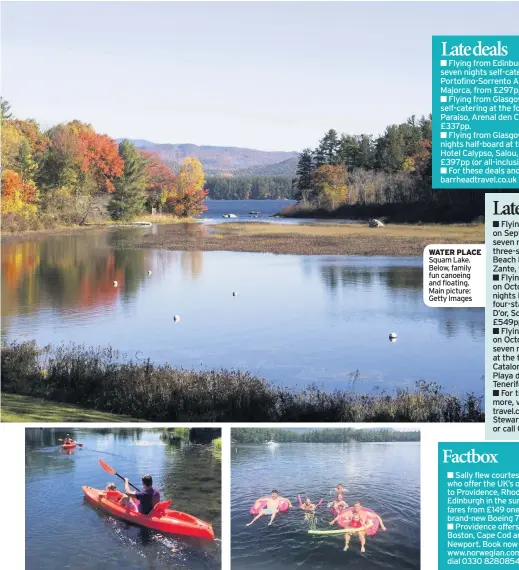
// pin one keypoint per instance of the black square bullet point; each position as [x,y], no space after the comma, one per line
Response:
[495,224]
[495,392]
[496,277]
[495,331]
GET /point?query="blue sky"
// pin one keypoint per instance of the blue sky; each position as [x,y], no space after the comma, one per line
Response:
[272,76]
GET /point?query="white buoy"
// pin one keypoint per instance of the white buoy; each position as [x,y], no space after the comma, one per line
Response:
[149,272]
[115,283]
[176,318]
[234,293]
[393,336]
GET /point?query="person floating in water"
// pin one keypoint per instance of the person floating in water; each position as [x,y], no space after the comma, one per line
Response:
[367,515]
[360,519]
[340,490]
[147,498]
[67,439]
[272,506]
[308,505]
[338,505]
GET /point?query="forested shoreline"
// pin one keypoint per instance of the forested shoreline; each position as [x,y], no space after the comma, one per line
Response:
[329,435]
[390,177]
[71,174]
[249,187]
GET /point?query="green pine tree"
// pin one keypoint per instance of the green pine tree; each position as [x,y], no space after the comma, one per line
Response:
[129,197]
[328,150]
[304,175]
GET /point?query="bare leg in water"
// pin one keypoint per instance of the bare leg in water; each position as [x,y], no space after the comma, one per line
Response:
[347,539]
[259,515]
[362,539]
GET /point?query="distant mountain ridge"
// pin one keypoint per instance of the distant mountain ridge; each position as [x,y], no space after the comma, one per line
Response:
[286,168]
[225,159]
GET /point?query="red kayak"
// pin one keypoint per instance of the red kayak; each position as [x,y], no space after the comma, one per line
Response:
[161,518]
[69,445]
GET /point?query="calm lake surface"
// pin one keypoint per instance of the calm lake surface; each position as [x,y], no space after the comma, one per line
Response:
[385,477]
[63,530]
[242,208]
[296,319]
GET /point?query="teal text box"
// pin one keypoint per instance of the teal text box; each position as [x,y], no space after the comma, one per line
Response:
[475,109]
[478,504]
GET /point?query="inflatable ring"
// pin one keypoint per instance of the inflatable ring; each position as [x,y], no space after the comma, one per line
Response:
[335,512]
[283,507]
[346,516]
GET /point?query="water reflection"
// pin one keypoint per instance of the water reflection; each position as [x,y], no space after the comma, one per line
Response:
[79,271]
[396,283]
[384,476]
[296,320]
[88,537]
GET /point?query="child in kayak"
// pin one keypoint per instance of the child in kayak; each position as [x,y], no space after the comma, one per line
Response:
[147,498]
[127,503]
[109,490]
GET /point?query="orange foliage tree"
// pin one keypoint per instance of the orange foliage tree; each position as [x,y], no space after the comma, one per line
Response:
[18,197]
[99,156]
[188,195]
[160,181]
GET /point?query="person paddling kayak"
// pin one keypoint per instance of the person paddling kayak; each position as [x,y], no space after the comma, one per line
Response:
[147,498]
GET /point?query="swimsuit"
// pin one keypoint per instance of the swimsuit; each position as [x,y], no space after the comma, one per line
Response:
[355,523]
[270,511]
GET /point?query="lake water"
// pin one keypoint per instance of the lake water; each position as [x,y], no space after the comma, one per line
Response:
[242,208]
[295,320]
[63,530]
[385,477]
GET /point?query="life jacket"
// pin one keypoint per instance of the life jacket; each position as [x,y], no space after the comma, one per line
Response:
[114,495]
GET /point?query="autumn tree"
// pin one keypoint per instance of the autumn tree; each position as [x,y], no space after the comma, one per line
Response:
[188,195]
[12,140]
[100,159]
[329,185]
[160,181]
[128,197]
[18,197]
[61,164]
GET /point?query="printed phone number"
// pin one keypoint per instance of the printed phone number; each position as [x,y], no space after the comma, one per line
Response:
[483,561]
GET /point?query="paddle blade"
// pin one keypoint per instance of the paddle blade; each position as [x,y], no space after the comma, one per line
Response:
[106,467]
